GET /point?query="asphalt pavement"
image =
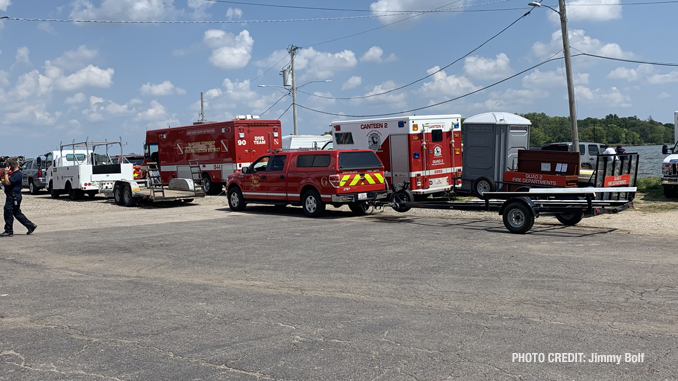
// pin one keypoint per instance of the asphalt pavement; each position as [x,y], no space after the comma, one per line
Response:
[201,293]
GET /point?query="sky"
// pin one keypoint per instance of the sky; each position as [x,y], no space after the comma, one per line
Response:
[137,65]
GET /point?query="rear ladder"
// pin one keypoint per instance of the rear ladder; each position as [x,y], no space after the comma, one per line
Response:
[154,180]
[194,167]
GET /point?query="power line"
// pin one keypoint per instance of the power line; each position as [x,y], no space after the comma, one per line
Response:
[626,60]
[439,103]
[276,102]
[430,75]
[247,82]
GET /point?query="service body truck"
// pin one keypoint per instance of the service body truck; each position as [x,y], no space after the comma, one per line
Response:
[670,164]
[221,148]
[424,151]
[84,168]
[304,142]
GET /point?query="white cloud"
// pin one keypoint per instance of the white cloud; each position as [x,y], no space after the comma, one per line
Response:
[389,6]
[199,8]
[155,112]
[89,76]
[22,56]
[444,85]
[3,78]
[510,98]
[75,99]
[229,51]
[31,85]
[373,55]
[4,4]
[133,10]
[352,82]
[165,88]
[395,99]
[76,59]
[664,95]
[487,68]
[657,79]
[34,113]
[555,78]
[233,13]
[46,27]
[602,98]
[580,41]
[585,10]
[322,65]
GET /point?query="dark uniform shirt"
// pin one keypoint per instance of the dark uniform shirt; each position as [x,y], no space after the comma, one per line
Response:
[14,183]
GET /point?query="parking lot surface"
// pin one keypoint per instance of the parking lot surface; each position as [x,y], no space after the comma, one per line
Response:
[196,292]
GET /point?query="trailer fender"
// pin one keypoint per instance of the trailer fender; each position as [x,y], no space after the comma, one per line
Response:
[525,200]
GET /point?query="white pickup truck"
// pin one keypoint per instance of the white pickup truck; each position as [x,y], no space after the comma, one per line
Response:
[84,168]
[670,165]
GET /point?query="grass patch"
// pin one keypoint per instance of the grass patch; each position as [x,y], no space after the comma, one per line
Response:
[651,186]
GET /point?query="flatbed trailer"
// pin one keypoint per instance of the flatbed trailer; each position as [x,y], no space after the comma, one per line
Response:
[520,209]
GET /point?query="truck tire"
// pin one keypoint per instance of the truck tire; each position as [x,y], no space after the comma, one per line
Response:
[53,192]
[117,195]
[73,194]
[670,192]
[127,197]
[400,197]
[482,185]
[359,208]
[570,219]
[518,217]
[32,189]
[235,200]
[312,204]
[209,186]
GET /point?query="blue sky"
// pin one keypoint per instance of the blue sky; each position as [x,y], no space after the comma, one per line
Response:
[61,80]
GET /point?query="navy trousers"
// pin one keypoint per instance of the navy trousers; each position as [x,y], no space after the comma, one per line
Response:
[13,209]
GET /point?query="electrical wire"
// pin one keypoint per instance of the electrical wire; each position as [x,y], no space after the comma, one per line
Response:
[287,109]
[276,102]
[428,76]
[439,103]
[249,81]
[439,9]
[626,60]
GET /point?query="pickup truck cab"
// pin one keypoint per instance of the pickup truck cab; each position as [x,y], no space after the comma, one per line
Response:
[311,179]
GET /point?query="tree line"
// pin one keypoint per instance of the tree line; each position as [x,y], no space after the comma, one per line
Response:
[609,130]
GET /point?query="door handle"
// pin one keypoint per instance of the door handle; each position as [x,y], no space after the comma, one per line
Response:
[263,177]
[282,177]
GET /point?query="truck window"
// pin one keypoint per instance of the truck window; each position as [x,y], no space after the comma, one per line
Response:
[78,156]
[306,161]
[358,160]
[278,162]
[343,137]
[152,152]
[593,149]
[260,165]
[436,136]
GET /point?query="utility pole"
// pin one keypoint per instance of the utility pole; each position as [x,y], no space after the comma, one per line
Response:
[568,74]
[292,49]
[202,109]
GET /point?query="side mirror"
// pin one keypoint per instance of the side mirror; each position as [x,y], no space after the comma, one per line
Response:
[38,162]
[245,169]
[665,150]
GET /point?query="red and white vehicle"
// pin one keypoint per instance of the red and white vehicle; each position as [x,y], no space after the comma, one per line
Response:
[221,148]
[311,179]
[422,150]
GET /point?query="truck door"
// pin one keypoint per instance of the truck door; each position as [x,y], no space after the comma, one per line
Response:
[254,181]
[276,181]
[243,146]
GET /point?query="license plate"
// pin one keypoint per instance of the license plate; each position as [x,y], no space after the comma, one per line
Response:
[362,196]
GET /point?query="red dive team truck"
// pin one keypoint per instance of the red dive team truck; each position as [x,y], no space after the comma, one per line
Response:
[311,179]
[220,148]
[424,150]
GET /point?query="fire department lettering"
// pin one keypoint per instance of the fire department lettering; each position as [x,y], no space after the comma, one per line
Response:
[259,140]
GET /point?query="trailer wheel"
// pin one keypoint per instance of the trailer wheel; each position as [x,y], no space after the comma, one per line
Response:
[360,208]
[399,198]
[127,196]
[235,199]
[570,219]
[117,195]
[209,186]
[482,185]
[518,217]
[312,204]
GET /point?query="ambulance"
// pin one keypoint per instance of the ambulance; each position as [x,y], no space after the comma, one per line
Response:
[220,148]
[422,150]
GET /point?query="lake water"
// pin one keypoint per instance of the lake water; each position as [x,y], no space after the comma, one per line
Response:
[650,160]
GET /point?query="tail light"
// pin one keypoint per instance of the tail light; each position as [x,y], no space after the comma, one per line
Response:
[418,180]
[39,172]
[334,180]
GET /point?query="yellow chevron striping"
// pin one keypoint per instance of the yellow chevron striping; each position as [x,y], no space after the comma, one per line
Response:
[369,179]
[344,180]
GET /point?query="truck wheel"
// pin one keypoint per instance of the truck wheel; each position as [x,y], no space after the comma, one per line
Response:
[53,192]
[670,192]
[518,218]
[312,204]
[127,196]
[400,197]
[235,199]
[570,219]
[32,189]
[209,186]
[360,208]
[73,194]
[482,185]
[117,195]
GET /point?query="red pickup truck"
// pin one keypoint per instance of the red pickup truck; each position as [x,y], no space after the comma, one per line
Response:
[311,179]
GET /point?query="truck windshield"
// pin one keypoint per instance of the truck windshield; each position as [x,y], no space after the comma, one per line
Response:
[358,160]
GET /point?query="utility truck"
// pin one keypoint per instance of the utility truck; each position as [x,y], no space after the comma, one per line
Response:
[84,168]
[670,164]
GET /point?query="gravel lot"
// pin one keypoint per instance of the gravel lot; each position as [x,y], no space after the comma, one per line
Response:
[646,218]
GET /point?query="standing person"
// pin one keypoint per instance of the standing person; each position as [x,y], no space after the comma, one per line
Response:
[12,183]
[609,151]
[620,150]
